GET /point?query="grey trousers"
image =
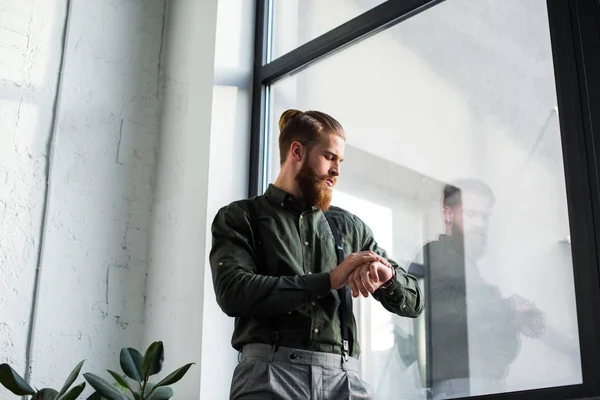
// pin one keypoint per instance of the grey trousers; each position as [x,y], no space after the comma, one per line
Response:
[290,374]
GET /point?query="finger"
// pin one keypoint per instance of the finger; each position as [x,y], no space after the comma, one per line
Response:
[367,258]
[358,268]
[379,258]
[360,285]
[357,261]
[369,254]
[373,272]
[364,275]
[357,279]
[385,262]
[353,288]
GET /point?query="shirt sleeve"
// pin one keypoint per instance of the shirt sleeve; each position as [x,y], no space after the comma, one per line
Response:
[239,288]
[403,297]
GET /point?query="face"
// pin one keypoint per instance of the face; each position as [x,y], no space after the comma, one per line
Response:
[471,220]
[320,170]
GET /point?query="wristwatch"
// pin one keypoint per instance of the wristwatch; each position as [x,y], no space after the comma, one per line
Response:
[391,281]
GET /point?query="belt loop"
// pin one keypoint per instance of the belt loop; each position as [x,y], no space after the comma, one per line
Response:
[272,353]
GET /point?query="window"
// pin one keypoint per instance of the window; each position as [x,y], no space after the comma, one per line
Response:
[461,95]
[296,22]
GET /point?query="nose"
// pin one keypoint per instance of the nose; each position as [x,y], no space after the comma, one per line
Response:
[479,222]
[335,170]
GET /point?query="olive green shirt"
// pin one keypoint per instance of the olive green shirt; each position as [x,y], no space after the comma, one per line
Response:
[287,288]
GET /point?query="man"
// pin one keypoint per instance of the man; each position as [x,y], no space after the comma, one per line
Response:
[275,269]
[473,333]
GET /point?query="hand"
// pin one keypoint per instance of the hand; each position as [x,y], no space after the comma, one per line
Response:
[339,275]
[369,277]
[530,320]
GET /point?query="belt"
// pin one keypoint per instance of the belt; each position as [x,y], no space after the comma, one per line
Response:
[255,351]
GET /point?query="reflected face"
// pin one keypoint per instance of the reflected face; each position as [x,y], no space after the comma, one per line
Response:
[320,170]
[472,220]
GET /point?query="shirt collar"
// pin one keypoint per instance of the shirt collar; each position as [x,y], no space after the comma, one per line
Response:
[452,243]
[283,199]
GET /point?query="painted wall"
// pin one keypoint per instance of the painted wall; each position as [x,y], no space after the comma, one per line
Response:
[137,172]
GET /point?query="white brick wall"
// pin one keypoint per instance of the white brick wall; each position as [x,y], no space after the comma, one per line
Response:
[100,201]
[24,124]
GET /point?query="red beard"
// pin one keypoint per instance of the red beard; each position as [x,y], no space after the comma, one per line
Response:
[314,188]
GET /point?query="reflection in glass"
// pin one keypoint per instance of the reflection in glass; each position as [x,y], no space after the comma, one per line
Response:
[474,332]
[452,126]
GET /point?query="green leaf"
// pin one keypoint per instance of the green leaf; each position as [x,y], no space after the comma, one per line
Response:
[131,363]
[122,384]
[153,359]
[73,393]
[74,374]
[104,388]
[158,393]
[13,382]
[95,396]
[46,394]
[175,376]
[119,379]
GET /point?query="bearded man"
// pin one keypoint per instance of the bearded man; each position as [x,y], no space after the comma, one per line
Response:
[285,263]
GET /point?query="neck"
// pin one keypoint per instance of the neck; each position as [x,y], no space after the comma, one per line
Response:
[286,181]
[455,236]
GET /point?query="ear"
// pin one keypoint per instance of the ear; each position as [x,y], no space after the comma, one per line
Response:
[448,215]
[297,151]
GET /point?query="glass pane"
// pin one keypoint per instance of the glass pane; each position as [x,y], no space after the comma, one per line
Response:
[463,90]
[296,22]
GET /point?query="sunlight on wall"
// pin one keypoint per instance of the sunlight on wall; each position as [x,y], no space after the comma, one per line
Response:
[230,24]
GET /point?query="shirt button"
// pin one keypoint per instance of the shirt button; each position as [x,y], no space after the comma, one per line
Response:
[306,243]
[316,331]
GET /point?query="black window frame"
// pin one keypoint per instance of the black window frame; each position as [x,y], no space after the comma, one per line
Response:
[575,39]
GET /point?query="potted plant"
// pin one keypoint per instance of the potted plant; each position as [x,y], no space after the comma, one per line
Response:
[139,369]
[135,367]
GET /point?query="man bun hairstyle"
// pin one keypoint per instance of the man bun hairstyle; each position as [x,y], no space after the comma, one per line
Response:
[306,127]
[286,116]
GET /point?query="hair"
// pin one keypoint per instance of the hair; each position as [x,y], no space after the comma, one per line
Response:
[453,192]
[306,127]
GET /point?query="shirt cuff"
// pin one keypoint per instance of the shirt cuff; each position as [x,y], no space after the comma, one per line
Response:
[317,285]
[395,289]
